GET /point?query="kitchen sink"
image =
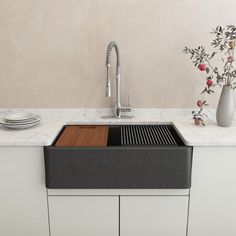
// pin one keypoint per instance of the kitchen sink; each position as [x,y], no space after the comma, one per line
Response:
[127,157]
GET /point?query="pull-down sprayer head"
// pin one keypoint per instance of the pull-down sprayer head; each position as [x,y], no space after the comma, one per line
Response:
[108,83]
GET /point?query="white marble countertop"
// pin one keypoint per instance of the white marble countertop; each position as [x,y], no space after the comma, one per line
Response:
[54,119]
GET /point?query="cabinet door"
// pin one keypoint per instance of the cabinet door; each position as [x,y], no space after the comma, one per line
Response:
[84,215]
[153,215]
[213,193]
[23,198]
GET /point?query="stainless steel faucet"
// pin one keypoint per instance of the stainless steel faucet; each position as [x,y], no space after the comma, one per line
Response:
[118,108]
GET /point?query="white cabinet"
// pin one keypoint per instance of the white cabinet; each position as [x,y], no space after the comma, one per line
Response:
[23,198]
[109,216]
[213,193]
[153,215]
[84,215]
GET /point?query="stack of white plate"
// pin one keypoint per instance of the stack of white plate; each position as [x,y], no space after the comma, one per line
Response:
[20,120]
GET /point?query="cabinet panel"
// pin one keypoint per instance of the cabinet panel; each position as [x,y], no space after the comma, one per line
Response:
[152,216]
[84,215]
[23,198]
[213,193]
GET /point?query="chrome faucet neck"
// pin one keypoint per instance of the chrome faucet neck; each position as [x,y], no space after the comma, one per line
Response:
[118,108]
[108,65]
[109,51]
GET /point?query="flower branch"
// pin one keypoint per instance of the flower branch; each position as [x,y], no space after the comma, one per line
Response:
[224,42]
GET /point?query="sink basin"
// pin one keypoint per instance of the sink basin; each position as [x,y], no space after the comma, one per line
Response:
[135,156]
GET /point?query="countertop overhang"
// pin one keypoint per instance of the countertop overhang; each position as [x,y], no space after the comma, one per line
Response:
[54,119]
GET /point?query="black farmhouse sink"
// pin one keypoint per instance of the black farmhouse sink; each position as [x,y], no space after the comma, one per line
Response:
[135,157]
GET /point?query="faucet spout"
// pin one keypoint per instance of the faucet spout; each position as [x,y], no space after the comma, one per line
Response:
[108,65]
[118,108]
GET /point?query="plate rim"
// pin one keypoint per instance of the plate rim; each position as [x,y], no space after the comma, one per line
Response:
[21,127]
[27,116]
[19,124]
[36,117]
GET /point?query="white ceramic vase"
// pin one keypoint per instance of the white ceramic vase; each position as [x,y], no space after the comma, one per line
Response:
[225,109]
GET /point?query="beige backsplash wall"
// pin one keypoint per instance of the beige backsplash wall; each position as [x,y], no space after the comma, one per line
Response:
[52,52]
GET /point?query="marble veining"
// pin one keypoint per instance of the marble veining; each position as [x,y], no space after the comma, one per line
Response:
[54,119]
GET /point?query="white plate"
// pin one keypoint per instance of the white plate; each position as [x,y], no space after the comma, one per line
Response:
[18,121]
[28,121]
[19,116]
[25,126]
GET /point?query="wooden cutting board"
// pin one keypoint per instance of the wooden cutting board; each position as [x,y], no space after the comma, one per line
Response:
[83,136]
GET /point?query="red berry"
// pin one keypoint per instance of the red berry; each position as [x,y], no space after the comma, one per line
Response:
[230,59]
[197,121]
[200,103]
[202,67]
[209,82]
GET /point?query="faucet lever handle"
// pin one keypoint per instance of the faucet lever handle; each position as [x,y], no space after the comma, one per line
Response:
[128,107]
[129,100]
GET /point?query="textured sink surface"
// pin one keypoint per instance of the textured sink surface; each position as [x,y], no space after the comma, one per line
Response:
[144,135]
[122,164]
